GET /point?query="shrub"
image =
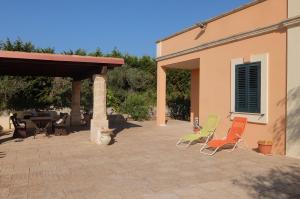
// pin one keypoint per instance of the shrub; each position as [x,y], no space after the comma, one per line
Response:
[112,100]
[136,106]
[179,108]
[178,94]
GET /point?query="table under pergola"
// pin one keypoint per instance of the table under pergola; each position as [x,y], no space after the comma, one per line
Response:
[76,67]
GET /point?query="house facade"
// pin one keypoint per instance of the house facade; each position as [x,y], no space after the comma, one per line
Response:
[243,63]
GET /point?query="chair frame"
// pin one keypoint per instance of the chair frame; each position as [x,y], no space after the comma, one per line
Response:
[239,140]
[207,137]
[216,149]
[180,142]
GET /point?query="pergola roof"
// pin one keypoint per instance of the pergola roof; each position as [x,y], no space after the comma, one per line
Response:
[54,65]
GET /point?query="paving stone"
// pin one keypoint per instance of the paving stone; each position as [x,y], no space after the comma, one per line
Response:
[18,191]
[4,192]
[143,163]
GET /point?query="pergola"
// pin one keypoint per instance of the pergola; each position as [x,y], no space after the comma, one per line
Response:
[76,67]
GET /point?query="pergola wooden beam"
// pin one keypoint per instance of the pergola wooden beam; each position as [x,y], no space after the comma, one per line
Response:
[53,65]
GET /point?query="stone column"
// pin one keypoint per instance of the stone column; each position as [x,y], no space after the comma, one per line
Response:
[99,120]
[161,96]
[75,112]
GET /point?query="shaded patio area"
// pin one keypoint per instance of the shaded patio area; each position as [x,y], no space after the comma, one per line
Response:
[14,63]
[143,162]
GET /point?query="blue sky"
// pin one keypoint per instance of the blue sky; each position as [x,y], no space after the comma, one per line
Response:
[132,26]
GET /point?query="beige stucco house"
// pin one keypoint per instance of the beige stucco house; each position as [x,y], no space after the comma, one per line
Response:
[243,63]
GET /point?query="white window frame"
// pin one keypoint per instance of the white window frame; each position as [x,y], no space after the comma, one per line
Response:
[261,117]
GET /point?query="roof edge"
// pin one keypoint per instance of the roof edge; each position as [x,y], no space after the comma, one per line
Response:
[283,25]
[61,57]
[242,7]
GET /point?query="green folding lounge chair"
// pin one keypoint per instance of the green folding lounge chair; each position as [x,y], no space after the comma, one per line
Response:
[206,132]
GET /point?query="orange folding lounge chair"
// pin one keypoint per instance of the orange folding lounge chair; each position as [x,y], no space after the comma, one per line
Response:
[233,137]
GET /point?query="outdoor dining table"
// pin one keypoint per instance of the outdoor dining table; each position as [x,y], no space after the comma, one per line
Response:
[41,124]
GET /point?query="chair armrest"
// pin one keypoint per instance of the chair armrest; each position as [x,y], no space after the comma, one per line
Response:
[238,137]
[22,122]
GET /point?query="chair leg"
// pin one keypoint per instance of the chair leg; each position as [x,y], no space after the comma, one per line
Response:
[210,154]
[64,131]
[178,144]
[245,147]
[203,147]
[205,143]
[235,145]
[34,133]
[15,135]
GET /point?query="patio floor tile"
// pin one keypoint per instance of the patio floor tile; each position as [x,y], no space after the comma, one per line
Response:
[142,163]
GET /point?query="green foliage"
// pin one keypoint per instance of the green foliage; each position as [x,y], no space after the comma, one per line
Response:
[178,83]
[39,95]
[133,85]
[179,108]
[132,88]
[136,106]
[17,45]
[126,79]
[80,52]
[86,95]
[61,93]
[30,92]
[45,50]
[113,100]
[96,53]
[115,53]
[68,52]
[178,94]
[9,86]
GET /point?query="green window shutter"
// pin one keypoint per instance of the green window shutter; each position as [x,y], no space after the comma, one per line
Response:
[241,88]
[247,87]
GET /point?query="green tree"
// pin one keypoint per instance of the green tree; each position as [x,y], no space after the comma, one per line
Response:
[178,93]
[9,86]
[96,53]
[86,95]
[80,52]
[61,92]
[136,106]
[134,84]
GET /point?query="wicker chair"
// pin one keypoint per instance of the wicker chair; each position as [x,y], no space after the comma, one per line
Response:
[20,127]
[60,126]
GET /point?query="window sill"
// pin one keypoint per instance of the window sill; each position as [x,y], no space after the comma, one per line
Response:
[252,117]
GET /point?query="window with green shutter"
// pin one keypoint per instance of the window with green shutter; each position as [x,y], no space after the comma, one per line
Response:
[247,87]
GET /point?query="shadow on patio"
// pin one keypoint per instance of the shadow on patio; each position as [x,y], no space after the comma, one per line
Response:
[5,137]
[283,182]
[2,154]
[119,124]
